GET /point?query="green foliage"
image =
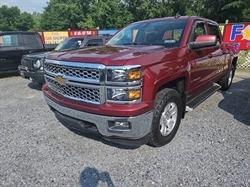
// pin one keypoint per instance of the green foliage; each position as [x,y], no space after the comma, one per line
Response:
[89,14]
[61,15]
[234,4]
[12,19]
[37,20]
[25,21]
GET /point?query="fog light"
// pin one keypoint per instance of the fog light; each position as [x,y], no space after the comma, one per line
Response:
[119,125]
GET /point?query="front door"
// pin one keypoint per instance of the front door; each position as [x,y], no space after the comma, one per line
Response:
[11,52]
[200,60]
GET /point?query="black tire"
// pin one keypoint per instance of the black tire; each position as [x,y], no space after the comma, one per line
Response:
[165,98]
[226,81]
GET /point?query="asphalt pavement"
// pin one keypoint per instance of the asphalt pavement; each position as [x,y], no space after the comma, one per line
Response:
[211,148]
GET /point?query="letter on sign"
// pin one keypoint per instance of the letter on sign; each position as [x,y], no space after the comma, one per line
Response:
[236,31]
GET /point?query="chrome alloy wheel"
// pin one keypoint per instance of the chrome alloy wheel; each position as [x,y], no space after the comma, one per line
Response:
[168,118]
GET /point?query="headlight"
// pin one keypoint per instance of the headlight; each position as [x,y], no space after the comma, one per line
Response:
[123,74]
[124,94]
[37,64]
[123,84]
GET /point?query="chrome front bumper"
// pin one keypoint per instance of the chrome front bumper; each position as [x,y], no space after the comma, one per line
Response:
[140,125]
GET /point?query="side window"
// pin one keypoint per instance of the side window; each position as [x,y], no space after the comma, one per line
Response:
[96,42]
[199,29]
[214,30]
[9,40]
[32,40]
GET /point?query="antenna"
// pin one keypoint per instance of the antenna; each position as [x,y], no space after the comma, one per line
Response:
[177,15]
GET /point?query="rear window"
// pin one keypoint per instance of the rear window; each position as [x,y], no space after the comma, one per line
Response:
[32,40]
[95,42]
[9,40]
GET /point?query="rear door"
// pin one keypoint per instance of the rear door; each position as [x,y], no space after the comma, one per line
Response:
[219,54]
[11,51]
[200,60]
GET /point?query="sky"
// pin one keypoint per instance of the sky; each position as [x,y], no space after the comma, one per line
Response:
[26,5]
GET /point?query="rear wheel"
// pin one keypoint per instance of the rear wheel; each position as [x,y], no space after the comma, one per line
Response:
[167,117]
[226,82]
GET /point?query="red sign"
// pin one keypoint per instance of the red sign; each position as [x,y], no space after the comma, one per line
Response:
[238,34]
[42,37]
[73,33]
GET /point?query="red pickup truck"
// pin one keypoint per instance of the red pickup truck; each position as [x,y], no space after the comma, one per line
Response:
[138,87]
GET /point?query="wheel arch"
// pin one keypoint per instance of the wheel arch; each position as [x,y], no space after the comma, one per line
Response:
[180,85]
[235,61]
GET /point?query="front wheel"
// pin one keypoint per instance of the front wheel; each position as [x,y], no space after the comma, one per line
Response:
[167,117]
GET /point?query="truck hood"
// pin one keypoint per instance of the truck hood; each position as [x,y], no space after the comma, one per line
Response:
[36,55]
[108,55]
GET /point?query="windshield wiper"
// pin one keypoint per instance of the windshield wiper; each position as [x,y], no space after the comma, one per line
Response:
[132,43]
[141,43]
[144,43]
[138,43]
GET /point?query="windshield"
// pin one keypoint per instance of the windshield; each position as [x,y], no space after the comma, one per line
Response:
[164,32]
[69,43]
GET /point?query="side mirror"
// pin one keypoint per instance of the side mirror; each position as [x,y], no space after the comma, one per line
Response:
[204,41]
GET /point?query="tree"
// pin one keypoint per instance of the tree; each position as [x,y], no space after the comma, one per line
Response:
[37,21]
[25,22]
[61,15]
[89,14]
[12,19]
[108,14]
[240,8]
[9,18]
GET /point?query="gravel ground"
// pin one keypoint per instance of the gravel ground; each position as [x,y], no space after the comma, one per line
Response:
[211,148]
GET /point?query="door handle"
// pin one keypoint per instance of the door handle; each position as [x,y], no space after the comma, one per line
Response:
[210,55]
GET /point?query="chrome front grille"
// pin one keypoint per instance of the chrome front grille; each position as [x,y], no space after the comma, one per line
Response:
[75,92]
[78,72]
[77,81]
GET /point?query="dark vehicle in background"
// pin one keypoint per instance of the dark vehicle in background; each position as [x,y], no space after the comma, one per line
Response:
[15,44]
[32,64]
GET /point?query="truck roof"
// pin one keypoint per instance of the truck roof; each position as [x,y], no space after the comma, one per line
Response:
[178,18]
[90,37]
[17,32]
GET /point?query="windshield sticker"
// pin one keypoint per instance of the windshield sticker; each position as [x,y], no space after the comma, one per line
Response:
[169,41]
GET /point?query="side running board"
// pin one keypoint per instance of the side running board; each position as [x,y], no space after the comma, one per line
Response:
[202,97]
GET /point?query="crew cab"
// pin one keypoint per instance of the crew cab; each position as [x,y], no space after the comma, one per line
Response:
[138,87]
[32,64]
[14,44]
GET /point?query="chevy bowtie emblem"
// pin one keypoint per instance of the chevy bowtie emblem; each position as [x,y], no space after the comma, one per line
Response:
[60,79]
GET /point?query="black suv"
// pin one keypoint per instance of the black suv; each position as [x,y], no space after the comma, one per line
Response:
[14,44]
[32,64]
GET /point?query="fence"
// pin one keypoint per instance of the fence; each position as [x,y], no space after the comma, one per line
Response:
[244,60]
